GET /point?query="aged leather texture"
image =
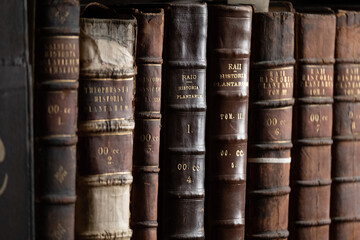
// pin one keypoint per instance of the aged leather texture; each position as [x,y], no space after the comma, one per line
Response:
[183,162]
[345,188]
[106,123]
[144,192]
[227,117]
[312,135]
[270,125]
[56,111]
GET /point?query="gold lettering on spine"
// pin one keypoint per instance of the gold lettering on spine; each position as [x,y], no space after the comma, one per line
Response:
[188,79]
[230,116]
[189,130]
[317,119]
[231,75]
[107,98]
[274,122]
[148,138]
[351,117]
[225,153]
[185,167]
[4,184]
[236,66]
[108,153]
[348,80]
[316,79]
[276,81]
[189,179]
[60,58]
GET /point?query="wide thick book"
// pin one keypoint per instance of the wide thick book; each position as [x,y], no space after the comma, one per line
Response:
[313,117]
[106,123]
[345,189]
[183,159]
[55,107]
[144,192]
[270,123]
[16,140]
[228,53]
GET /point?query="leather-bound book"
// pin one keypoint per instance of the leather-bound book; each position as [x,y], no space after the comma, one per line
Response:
[16,139]
[270,124]
[106,123]
[228,53]
[56,111]
[345,191]
[183,161]
[310,168]
[144,192]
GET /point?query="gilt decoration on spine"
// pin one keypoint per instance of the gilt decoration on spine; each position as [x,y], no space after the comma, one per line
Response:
[228,92]
[183,163]
[270,124]
[311,165]
[144,192]
[345,189]
[55,107]
[106,123]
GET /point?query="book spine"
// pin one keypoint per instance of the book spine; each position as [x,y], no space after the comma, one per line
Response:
[106,124]
[144,192]
[184,125]
[228,93]
[271,101]
[345,191]
[310,170]
[56,79]
[16,131]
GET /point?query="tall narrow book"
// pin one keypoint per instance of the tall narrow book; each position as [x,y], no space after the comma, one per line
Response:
[56,102]
[106,123]
[310,169]
[16,140]
[345,190]
[183,162]
[144,192]
[270,124]
[228,92]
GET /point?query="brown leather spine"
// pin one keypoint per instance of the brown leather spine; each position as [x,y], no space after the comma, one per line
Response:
[270,124]
[310,169]
[184,121]
[56,79]
[144,193]
[228,93]
[106,123]
[345,190]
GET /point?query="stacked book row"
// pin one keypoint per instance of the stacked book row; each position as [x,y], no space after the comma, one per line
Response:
[260,144]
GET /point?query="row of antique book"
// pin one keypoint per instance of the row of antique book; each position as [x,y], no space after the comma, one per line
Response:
[102,97]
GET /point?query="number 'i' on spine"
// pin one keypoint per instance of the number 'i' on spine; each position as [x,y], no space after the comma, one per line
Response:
[183,162]
[56,101]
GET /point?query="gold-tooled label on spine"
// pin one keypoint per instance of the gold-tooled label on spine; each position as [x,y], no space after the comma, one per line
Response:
[274,83]
[316,80]
[347,79]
